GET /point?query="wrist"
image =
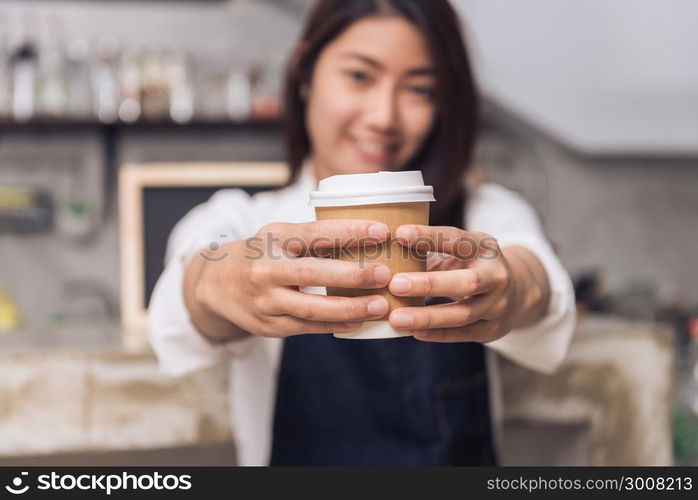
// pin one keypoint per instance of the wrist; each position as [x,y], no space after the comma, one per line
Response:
[211,325]
[529,302]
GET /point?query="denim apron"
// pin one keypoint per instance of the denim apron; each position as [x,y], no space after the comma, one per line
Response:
[382,402]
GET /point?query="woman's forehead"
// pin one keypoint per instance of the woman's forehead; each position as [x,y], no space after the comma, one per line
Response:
[391,42]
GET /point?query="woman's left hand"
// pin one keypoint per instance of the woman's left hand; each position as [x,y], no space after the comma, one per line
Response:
[487,288]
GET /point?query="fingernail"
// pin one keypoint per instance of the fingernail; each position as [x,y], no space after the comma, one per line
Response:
[401,319]
[378,307]
[400,284]
[378,231]
[382,274]
[406,233]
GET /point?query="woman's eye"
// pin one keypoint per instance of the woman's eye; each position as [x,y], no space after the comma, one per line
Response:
[422,91]
[358,76]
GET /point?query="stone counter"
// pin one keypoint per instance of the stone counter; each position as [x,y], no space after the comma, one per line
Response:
[79,391]
[612,393]
[80,396]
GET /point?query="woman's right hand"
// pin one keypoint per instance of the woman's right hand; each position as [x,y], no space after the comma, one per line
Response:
[254,287]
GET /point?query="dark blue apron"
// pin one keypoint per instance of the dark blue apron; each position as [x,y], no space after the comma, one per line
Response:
[381,402]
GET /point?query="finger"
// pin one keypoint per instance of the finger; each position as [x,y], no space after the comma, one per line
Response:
[345,233]
[443,262]
[332,309]
[480,331]
[285,326]
[465,245]
[453,315]
[316,271]
[455,283]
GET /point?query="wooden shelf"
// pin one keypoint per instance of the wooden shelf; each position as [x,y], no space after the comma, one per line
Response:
[164,125]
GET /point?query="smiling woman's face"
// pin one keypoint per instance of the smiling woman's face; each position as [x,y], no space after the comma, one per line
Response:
[371,99]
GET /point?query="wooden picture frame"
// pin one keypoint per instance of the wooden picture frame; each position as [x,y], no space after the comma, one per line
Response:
[137,179]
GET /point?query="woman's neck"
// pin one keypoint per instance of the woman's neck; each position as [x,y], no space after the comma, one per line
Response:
[320,169]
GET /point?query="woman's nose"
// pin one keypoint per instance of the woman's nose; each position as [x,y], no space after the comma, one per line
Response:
[381,111]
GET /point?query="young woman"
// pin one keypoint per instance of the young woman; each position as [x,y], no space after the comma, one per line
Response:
[372,85]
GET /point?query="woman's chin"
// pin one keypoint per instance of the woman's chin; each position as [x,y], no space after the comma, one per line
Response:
[358,168]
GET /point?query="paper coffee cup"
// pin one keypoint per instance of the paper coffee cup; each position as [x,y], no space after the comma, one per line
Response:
[394,198]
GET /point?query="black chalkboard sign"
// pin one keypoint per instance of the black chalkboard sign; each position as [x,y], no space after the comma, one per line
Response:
[163,207]
[153,198]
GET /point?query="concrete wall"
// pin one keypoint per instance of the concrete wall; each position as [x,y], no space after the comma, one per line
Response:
[637,220]
[633,218]
[605,76]
[244,29]
[41,270]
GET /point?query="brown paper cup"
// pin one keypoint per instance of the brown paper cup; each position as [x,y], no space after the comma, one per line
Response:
[393,198]
[397,257]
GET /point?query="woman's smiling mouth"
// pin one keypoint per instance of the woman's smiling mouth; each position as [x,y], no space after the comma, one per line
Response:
[375,152]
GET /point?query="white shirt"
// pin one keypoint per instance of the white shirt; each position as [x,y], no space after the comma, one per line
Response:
[231,214]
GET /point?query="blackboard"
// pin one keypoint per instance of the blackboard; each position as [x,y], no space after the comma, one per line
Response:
[163,207]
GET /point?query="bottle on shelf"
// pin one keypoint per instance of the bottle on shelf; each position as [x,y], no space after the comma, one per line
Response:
[79,88]
[178,81]
[130,87]
[266,101]
[239,96]
[5,87]
[104,80]
[23,69]
[51,77]
[155,98]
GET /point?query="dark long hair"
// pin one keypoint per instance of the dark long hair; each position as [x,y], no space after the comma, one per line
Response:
[446,154]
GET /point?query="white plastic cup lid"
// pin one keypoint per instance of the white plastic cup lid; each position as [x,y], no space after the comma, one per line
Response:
[372,189]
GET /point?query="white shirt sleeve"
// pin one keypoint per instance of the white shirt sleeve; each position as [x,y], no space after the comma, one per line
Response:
[179,347]
[506,216]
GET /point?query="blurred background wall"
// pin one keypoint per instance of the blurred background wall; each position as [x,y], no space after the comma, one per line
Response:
[601,92]
[229,26]
[217,35]
[611,86]
[591,112]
